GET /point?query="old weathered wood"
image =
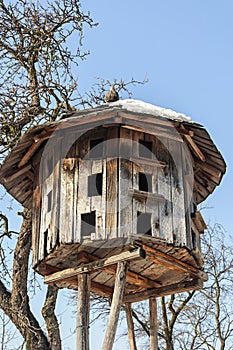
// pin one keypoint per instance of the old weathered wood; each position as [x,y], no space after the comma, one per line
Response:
[101,289]
[132,277]
[111,198]
[194,284]
[164,126]
[68,191]
[130,324]
[125,182]
[83,312]
[199,222]
[20,172]
[172,262]
[115,306]
[153,324]
[29,153]
[182,130]
[36,219]
[180,229]
[195,148]
[150,162]
[67,273]
[146,195]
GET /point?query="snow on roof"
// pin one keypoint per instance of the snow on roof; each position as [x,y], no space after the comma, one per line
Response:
[138,106]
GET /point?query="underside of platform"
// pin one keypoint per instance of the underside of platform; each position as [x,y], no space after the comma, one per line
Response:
[155,268]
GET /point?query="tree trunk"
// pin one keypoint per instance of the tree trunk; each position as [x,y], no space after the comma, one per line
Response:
[16,304]
[50,318]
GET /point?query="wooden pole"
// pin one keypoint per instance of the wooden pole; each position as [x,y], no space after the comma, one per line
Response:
[131,335]
[153,324]
[115,306]
[83,312]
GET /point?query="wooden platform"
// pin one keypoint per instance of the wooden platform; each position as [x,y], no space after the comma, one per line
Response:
[155,268]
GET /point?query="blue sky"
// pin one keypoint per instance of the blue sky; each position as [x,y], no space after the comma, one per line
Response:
[185,49]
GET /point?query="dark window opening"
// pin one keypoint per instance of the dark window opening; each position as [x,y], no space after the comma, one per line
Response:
[95,183]
[194,239]
[49,197]
[145,182]
[50,165]
[87,223]
[144,223]
[96,148]
[145,149]
[45,242]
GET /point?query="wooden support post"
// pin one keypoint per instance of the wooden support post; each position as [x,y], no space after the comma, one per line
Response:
[153,324]
[131,335]
[83,312]
[115,306]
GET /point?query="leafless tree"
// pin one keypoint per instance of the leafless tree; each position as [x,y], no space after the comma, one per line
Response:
[36,82]
[39,71]
[201,319]
[9,334]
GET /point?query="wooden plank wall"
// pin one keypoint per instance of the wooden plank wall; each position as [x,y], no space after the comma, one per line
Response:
[50,192]
[116,209]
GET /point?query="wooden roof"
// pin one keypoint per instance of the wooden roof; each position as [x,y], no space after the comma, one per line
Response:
[17,173]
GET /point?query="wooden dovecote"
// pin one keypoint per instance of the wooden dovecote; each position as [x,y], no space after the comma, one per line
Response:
[115,183]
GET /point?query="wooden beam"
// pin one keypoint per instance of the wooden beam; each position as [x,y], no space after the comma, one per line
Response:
[83,312]
[194,284]
[173,263]
[115,306]
[18,173]
[199,222]
[93,266]
[30,153]
[101,289]
[131,277]
[195,148]
[153,324]
[130,324]
[182,130]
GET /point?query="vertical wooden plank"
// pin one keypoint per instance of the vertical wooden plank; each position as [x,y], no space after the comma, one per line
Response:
[68,169]
[125,183]
[164,188]
[104,199]
[36,207]
[177,193]
[154,206]
[84,202]
[136,136]
[83,311]
[76,234]
[153,324]
[188,178]
[125,200]
[47,176]
[126,143]
[98,202]
[112,143]
[130,324]
[112,198]
[115,306]
[53,232]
